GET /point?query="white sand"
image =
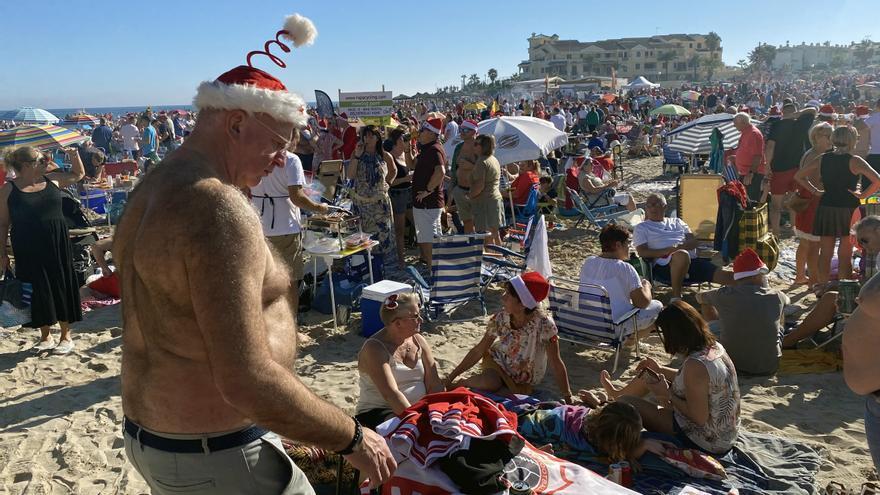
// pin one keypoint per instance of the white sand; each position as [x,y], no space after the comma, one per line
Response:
[60,416]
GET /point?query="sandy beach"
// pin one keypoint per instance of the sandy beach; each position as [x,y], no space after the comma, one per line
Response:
[60,417]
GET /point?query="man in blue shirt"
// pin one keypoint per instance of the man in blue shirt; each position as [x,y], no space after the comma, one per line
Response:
[148,142]
[102,136]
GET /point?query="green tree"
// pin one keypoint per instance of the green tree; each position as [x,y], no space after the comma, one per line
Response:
[463,79]
[474,80]
[713,42]
[666,57]
[762,56]
[694,61]
[712,65]
[493,74]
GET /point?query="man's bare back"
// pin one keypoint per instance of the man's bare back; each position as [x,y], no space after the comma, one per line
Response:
[167,381]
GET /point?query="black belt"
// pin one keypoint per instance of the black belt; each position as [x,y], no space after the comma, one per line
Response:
[195,446]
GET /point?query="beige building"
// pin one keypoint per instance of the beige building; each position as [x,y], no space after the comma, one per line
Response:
[667,57]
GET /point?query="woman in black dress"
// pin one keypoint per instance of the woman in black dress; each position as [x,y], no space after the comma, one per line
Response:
[31,205]
[838,172]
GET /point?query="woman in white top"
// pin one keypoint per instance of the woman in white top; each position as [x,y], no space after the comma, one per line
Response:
[395,365]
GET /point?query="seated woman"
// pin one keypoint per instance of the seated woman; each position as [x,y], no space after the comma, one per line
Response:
[519,342]
[600,193]
[395,365]
[699,402]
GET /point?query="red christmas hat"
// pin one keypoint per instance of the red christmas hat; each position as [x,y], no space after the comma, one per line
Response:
[748,264]
[433,125]
[471,124]
[862,111]
[827,111]
[255,91]
[531,287]
[774,110]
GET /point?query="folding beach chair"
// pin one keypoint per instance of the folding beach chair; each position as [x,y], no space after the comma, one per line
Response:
[511,263]
[456,275]
[582,313]
[834,331]
[599,216]
[328,175]
[672,158]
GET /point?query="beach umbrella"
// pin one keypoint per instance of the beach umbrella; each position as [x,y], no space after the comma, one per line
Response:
[479,105]
[80,119]
[609,97]
[518,138]
[670,110]
[693,137]
[690,95]
[43,137]
[30,115]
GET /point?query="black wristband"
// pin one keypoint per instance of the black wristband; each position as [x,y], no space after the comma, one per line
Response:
[355,441]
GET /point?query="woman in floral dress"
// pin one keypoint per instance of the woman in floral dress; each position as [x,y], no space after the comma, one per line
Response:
[372,177]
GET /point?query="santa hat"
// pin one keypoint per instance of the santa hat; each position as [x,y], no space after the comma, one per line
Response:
[827,111]
[471,124]
[531,287]
[256,91]
[748,264]
[774,110]
[862,111]
[434,125]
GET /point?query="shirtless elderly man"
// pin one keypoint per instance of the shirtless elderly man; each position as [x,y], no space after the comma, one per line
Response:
[210,339]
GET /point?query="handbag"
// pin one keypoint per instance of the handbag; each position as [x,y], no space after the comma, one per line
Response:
[15,308]
[794,202]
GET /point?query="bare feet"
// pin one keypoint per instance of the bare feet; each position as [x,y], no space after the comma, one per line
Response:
[610,389]
[801,280]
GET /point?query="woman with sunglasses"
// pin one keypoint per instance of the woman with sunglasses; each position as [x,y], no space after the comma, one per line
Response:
[31,204]
[699,403]
[372,170]
[395,365]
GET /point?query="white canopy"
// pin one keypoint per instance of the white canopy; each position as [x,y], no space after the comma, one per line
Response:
[640,82]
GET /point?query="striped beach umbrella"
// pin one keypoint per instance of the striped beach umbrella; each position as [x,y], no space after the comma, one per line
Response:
[693,137]
[79,119]
[30,115]
[690,95]
[43,137]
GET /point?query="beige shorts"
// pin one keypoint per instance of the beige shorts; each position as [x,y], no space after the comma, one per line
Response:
[487,214]
[427,221]
[463,205]
[289,248]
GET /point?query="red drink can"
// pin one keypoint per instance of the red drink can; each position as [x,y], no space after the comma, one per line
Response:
[626,474]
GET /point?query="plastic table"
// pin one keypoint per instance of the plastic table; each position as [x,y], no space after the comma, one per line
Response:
[336,255]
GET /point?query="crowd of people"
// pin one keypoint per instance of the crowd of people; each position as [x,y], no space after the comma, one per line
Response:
[222,329]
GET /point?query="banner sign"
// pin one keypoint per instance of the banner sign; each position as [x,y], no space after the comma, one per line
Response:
[372,107]
[323,104]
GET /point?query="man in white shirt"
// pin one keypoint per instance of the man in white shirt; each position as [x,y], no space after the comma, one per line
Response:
[671,244]
[625,289]
[873,121]
[130,135]
[451,130]
[558,119]
[278,198]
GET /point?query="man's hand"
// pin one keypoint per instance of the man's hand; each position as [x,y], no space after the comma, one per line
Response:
[422,195]
[373,459]
[646,284]
[747,179]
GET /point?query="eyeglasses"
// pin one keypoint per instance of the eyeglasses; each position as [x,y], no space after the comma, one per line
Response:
[285,141]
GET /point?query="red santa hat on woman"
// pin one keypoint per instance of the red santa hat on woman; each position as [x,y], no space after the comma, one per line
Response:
[862,111]
[748,264]
[256,91]
[434,125]
[531,288]
[827,111]
[471,124]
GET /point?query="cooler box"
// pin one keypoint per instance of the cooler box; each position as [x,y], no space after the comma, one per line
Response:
[94,200]
[372,298]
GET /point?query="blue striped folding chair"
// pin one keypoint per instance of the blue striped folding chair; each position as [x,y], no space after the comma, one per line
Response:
[599,216]
[582,313]
[510,263]
[456,264]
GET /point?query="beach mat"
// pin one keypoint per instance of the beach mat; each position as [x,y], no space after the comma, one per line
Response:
[803,361]
[758,463]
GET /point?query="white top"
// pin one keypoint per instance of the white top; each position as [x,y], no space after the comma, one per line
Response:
[618,277]
[130,135]
[873,121]
[278,215]
[661,235]
[451,130]
[558,121]
[410,382]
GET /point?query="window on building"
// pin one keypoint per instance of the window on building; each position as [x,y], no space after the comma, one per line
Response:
[638,54]
[651,53]
[638,66]
[690,45]
[586,67]
[650,65]
[699,45]
[568,57]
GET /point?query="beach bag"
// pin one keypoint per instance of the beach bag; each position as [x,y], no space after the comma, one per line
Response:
[753,233]
[15,308]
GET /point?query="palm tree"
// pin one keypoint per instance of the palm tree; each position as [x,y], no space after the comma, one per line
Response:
[711,65]
[713,42]
[762,56]
[694,62]
[463,77]
[474,80]
[493,74]
[666,57]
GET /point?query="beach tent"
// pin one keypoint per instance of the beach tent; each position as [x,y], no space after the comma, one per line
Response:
[640,83]
[30,115]
[693,137]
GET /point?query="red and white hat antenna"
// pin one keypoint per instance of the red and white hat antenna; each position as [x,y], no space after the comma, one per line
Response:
[255,91]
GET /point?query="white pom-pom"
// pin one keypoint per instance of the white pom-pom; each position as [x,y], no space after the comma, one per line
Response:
[300,30]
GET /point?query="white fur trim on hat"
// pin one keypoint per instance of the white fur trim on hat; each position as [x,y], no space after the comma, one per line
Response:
[751,273]
[300,30]
[282,106]
[525,296]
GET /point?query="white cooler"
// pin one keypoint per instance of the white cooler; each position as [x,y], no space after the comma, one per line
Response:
[372,298]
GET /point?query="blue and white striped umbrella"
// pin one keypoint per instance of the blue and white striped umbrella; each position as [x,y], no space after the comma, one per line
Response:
[693,137]
[30,115]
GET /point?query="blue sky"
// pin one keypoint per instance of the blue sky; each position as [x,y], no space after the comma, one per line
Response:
[68,53]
